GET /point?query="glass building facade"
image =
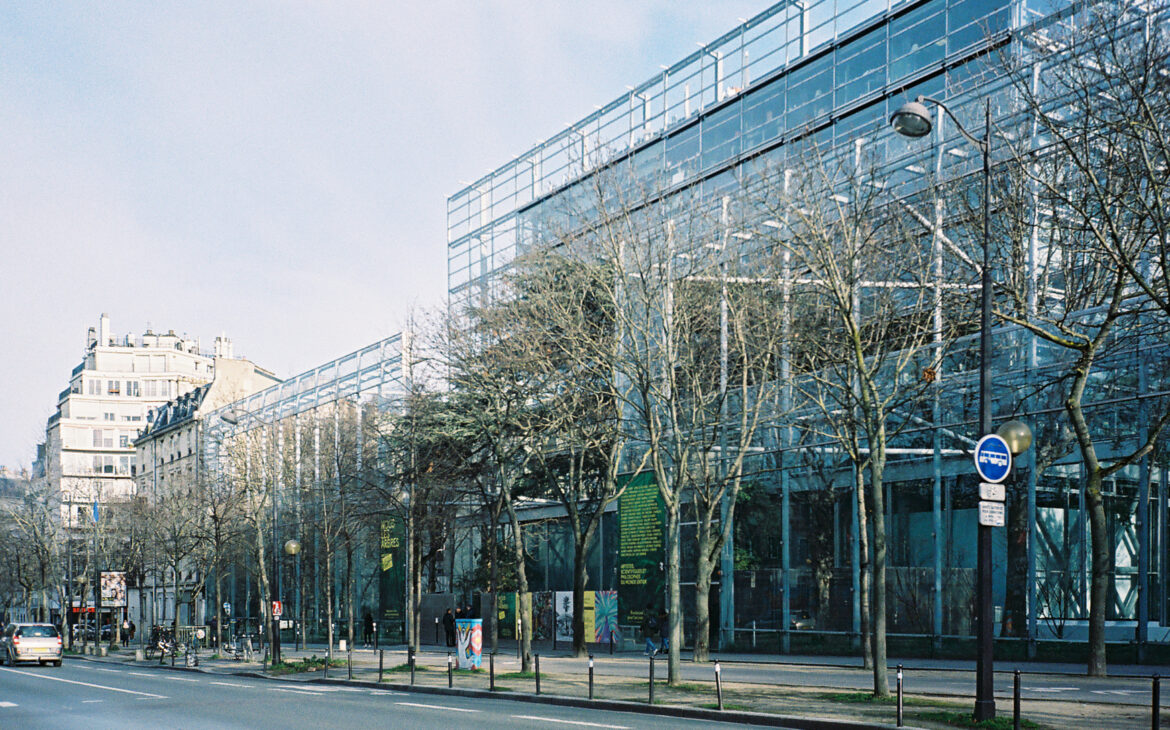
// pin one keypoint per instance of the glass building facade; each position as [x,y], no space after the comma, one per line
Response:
[833,72]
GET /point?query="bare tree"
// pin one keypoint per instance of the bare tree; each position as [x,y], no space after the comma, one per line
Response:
[1085,220]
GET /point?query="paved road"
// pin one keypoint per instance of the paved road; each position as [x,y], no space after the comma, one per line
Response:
[94,695]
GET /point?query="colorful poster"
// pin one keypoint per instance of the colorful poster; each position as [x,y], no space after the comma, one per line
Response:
[605,615]
[506,616]
[392,577]
[469,642]
[564,615]
[113,588]
[641,549]
[542,616]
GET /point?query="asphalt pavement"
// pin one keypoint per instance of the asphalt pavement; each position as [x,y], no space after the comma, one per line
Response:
[95,695]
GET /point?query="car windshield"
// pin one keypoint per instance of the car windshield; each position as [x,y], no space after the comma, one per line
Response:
[46,632]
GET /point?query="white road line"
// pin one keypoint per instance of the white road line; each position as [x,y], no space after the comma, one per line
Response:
[568,722]
[294,691]
[88,702]
[8,704]
[101,669]
[229,684]
[179,679]
[143,674]
[85,684]
[434,707]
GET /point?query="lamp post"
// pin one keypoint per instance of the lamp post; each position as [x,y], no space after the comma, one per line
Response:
[914,120]
[292,548]
[233,416]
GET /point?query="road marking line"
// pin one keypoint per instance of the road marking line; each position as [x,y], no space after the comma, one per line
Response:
[386,692]
[568,722]
[181,679]
[100,669]
[1052,689]
[85,684]
[294,691]
[142,674]
[229,684]
[9,704]
[86,702]
[435,707]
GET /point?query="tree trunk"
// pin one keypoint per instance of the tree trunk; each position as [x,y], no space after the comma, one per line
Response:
[349,591]
[1099,585]
[881,683]
[703,568]
[580,576]
[863,569]
[494,581]
[522,587]
[674,593]
[1015,604]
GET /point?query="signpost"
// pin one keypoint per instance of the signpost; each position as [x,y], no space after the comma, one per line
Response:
[991,514]
[277,608]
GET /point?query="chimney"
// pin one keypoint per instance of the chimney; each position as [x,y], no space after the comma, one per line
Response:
[91,338]
[104,331]
[223,347]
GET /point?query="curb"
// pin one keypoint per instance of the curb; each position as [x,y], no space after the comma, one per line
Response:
[692,713]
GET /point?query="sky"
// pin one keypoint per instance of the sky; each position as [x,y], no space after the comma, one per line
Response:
[273,171]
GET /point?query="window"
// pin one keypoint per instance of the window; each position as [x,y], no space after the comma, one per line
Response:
[123,441]
[95,387]
[97,438]
[132,388]
[114,387]
[108,417]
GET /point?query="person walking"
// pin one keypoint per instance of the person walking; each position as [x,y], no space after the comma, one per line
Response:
[368,629]
[664,630]
[650,630]
[125,631]
[449,627]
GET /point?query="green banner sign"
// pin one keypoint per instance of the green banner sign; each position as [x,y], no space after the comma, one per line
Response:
[392,576]
[641,549]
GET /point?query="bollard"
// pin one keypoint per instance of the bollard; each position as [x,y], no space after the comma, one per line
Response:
[651,679]
[381,657]
[537,657]
[492,671]
[900,695]
[328,661]
[410,660]
[611,641]
[1016,700]
[349,663]
[1156,707]
[450,672]
[718,685]
[590,676]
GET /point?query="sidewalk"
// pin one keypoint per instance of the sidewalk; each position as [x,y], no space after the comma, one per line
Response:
[622,678]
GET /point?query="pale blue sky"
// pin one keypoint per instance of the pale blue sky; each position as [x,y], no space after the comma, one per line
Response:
[275,171]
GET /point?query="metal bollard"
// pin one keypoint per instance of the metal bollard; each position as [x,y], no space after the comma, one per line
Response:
[349,663]
[450,672]
[1156,705]
[899,723]
[590,676]
[328,661]
[492,671]
[381,659]
[410,661]
[718,684]
[1016,700]
[537,657]
[651,679]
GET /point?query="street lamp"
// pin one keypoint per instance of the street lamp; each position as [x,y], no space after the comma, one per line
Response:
[914,120]
[292,548]
[233,416]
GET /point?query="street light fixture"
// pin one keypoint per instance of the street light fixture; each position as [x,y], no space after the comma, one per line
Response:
[233,416]
[913,119]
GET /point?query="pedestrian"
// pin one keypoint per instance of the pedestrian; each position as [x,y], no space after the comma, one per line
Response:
[132,627]
[368,629]
[125,631]
[449,627]
[664,629]
[650,629]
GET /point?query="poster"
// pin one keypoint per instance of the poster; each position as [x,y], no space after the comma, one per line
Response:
[605,617]
[542,616]
[392,577]
[641,549]
[506,616]
[564,615]
[587,611]
[469,642]
[113,588]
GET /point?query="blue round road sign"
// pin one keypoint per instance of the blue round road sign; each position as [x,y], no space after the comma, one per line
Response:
[993,458]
